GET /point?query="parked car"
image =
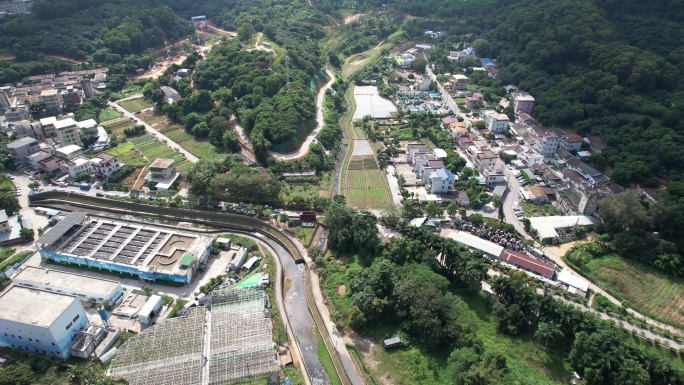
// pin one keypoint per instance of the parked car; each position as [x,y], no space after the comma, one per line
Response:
[64,184]
[99,194]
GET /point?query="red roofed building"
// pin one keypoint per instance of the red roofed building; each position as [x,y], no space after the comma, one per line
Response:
[528,263]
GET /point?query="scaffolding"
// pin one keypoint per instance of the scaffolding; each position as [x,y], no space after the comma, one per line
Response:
[241,342]
[167,353]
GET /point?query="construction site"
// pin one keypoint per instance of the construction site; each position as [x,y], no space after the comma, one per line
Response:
[229,340]
[147,252]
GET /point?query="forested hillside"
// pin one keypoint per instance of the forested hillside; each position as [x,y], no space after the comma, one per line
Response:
[97,29]
[577,62]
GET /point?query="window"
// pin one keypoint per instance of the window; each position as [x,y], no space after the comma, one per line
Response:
[5,334]
[77,317]
[20,338]
[53,344]
[69,325]
[31,339]
[37,340]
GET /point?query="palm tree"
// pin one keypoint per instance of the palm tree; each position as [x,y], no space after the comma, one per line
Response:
[547,331]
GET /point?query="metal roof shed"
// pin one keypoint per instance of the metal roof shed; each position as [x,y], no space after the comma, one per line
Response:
[392,342]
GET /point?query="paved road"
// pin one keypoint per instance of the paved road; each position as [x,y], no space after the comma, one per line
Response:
[192,158]
[509,201]
[311,138]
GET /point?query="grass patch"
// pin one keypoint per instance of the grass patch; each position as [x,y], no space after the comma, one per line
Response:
[359,60]
[638,286]
[305,234]
[108,114]
[326,361]
[539,210]
[134,105]
[242,241]
[307,190]
[125,336]
[14,259]
[6,253]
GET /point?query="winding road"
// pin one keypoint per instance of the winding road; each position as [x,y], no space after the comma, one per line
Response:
[304,148]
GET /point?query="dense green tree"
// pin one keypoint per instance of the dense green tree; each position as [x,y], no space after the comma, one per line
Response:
[9,203]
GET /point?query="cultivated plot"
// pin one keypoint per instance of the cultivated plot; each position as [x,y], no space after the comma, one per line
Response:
[367,189]
[134,105]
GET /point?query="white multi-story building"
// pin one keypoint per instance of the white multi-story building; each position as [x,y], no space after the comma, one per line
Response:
[496,122]
[531,157]
[67,132]
[87,127]
[48,125]
[571,142]
[441,181]
[20,149]
[40,321]
[77,166]
[523,103]
[494,174]
[547,144]
[104,165]
[51,100]
[415,148]
[69,152]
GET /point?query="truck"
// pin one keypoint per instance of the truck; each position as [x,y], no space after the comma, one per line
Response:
[85,186]
[307,216]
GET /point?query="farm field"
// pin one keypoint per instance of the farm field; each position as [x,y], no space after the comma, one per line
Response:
[142,150]
[108,114]
[367,189]
[201,149]
[647,290]
[362,163]
[117,125]
[134,105]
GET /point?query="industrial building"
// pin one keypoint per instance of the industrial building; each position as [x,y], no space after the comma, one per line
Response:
[81,286]
[552,228]
[528,263]
[232,342]
[40,321]
[147,252]
[490,249]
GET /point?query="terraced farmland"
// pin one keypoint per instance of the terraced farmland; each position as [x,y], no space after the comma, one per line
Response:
[649,292]
[200,148]
[142,150]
